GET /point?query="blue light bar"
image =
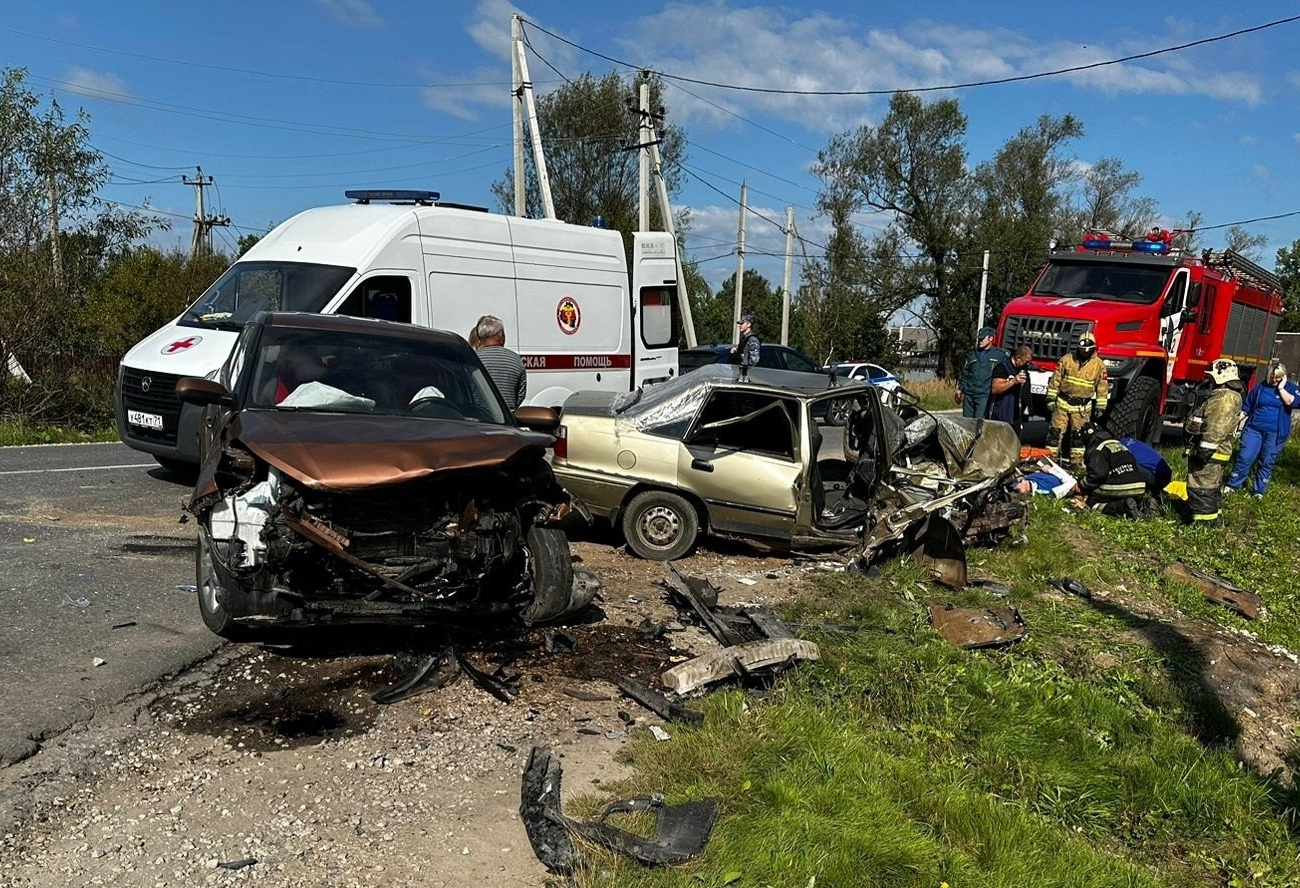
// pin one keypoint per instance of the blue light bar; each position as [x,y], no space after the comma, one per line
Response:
[367,195]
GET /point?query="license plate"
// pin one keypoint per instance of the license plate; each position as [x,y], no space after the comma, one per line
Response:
[148,420]
[1038,388]
[1038,381]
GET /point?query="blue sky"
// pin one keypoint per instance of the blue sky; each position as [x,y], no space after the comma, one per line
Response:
[1213,129]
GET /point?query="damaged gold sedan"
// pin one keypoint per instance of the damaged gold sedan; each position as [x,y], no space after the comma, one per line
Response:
[365,471]
[734,455]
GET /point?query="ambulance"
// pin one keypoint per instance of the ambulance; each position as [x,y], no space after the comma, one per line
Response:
[579,314]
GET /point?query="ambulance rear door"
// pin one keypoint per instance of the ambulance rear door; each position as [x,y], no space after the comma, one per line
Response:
[655,312]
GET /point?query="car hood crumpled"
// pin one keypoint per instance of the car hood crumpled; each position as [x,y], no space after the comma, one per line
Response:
[333,452]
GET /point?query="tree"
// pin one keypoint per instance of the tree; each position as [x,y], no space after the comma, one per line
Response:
[1288,269]
[913,166]
[586,128]
[1241,241]
[1021,203]
[715,316]
[1107,202]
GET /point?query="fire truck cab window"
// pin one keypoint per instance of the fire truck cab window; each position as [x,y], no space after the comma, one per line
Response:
[1116,283]
[1174,300]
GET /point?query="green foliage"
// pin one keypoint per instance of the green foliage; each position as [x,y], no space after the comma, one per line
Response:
[1288,269]
[715,315]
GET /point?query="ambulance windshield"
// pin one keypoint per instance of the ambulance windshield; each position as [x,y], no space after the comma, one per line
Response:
[1116,283]
[249,287]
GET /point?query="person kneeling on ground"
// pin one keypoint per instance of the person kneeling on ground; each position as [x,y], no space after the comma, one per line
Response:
[1113,483]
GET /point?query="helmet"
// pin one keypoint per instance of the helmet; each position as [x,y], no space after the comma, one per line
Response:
[1086,340]
[1223,371]
[1089,431]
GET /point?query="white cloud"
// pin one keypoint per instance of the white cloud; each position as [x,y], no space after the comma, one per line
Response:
[85,82]
[67,20]
[1261,172]
[462,93]
[1248,141]
[1293,78]
[351,13]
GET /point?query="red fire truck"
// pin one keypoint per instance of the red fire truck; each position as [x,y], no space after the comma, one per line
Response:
[1160,315]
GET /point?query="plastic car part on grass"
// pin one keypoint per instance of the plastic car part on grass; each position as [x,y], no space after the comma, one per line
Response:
[680,834]
[1218,590]
[738,660]
[978,627]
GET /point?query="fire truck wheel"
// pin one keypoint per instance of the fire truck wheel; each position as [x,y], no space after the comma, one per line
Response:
[1137,415]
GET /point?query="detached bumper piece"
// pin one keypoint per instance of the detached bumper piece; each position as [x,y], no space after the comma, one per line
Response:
[1218,590]
[680,833]
[976,627]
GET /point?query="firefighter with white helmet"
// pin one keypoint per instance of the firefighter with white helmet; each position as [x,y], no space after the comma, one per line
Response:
[1210,430]
[1077,393]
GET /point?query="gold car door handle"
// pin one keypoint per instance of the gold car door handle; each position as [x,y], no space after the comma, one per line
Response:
[702,465]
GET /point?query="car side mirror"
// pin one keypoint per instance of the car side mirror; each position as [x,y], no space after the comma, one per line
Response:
[539,419]
[200,391]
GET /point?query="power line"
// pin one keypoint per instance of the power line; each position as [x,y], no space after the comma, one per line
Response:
[919,89]
[451,140]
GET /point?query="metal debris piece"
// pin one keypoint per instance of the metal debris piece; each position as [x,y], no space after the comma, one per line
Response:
[993,587]
[680,833]
[434,671]
[649,630]
[978,627]
[729,625]
[127,625]
[489,683]
[79,603]
[615,735]
[1071,586]
[941,549]
[1217,590]
[737,660]
[556,642]
[660,734]
[658,703]
[189,588]
[237,864]
[585,696]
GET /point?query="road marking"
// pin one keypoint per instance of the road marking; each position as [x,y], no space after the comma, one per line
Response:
[78,469]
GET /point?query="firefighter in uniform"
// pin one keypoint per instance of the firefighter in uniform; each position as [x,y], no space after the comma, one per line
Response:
[1211,428]
[1078,392]
[1114,483]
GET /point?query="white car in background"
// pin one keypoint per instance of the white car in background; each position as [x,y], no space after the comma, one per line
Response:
[871,373]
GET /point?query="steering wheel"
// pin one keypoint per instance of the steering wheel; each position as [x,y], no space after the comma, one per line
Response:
[435,408]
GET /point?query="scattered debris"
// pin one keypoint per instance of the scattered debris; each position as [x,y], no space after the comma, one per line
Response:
[237,864]
[127,625]
[738,660]
[626,718]
[978,627]
[76,602]
[615,735]
[993,587]
[746,581]
[941,550]
[649,630]
[189,588]
[98,661]
[434,671]
[490,683]
[50,517]
[586,696]
[659,733]
[556,642]
[1071,586]
[730,626]
[680,832]
[658,703]
[1217,590]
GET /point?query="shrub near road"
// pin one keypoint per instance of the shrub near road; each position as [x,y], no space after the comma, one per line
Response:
[1107,749]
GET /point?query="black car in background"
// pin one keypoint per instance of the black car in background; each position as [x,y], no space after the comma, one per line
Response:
[772,356]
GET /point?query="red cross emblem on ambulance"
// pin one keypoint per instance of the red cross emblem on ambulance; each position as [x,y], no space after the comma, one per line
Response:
[181,345]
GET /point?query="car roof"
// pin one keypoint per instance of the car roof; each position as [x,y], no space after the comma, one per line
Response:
[346,324]
[788,382]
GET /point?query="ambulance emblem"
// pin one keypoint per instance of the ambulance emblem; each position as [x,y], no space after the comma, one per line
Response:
[568,316]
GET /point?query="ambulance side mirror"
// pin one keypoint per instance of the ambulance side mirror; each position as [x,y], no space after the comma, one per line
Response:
[196,390]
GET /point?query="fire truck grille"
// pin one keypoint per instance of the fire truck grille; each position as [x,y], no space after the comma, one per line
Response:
[152,393]
[1050,338]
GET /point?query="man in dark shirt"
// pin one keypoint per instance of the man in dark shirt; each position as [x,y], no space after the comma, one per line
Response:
[1010,387]
[1114,484]
[750,349]
[504,366]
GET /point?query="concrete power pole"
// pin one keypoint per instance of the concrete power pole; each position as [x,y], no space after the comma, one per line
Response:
[203,223]
[785,286]
[517,115]
[740,264]
[670,226]
[643,139]
[984,288]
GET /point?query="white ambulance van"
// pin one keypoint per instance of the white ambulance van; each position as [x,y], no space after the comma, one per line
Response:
[580,317]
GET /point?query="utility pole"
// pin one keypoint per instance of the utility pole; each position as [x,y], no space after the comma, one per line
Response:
[984,288]
[785,286]
[203,223]
[517,115]
[530,106]
[670,226]
[56,254]
[643,138]
[740,264]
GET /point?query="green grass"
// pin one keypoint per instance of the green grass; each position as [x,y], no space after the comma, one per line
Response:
[935,394]
[1080,757]
[19,432]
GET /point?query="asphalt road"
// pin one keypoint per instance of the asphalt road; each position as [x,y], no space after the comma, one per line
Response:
[92,555]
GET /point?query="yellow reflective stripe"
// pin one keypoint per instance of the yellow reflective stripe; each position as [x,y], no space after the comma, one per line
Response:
[1211,517]
[1080,380]
[1221,457]
[1121,490]
[1101,403]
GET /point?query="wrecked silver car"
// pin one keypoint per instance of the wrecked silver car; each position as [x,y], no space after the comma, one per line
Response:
[724,453]
[362,470]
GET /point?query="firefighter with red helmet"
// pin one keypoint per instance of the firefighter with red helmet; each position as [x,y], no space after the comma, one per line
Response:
[1077,392]
[1210,430]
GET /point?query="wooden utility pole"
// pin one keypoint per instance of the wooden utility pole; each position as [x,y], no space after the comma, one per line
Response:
[740,264]
[785,286]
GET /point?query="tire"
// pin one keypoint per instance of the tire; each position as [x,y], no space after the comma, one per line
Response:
[837,412]
[660,526]
[551,565]
[1137,415]
[209,580]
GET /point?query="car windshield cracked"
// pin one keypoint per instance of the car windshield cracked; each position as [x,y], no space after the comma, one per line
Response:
[740,455]
[363,470]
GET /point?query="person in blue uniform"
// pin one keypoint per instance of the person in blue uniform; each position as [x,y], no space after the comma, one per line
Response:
[1268,408]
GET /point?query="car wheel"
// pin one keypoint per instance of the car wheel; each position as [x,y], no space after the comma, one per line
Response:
[659,525]
[551,566]
[837,412]
[212,584]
